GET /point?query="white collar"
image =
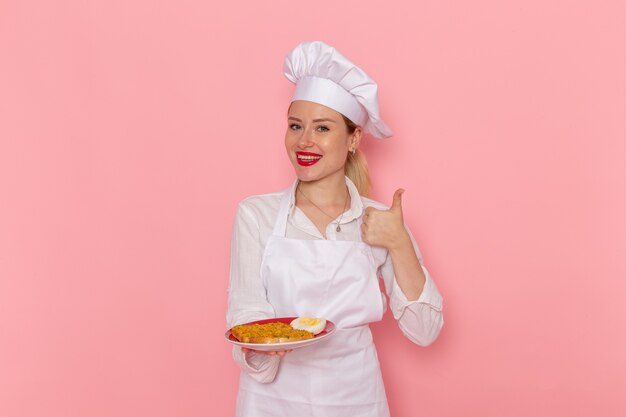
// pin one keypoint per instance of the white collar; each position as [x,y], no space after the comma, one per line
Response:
[356,204]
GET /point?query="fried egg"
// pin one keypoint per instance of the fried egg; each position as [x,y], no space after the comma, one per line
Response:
[310,324]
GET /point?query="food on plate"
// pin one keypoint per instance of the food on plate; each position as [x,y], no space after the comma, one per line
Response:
[269,333]
[311,324]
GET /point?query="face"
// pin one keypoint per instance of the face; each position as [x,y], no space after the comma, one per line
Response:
[317,141]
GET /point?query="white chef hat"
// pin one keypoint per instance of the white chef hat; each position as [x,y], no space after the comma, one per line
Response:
[324,76]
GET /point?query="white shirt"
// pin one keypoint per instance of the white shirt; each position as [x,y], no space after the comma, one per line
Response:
[420,320]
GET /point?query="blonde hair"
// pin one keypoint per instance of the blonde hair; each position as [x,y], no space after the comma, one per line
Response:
[356,165]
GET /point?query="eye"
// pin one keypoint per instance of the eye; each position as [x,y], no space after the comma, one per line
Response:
[295,126]
[323,128]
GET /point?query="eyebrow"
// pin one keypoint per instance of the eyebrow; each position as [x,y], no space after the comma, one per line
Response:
[314,120]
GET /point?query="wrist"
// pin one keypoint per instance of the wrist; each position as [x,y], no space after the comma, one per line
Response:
[401,243]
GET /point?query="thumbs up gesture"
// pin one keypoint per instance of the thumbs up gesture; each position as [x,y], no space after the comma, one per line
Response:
[385,227]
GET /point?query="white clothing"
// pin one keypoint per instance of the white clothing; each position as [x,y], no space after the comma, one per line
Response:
[420,320]
[323,75]
[339,376]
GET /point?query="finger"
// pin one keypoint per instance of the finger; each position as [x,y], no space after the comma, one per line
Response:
[397,200]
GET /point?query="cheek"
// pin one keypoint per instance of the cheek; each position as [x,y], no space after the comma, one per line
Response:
[348,141]
[341,144]
[289,141]
[338,150]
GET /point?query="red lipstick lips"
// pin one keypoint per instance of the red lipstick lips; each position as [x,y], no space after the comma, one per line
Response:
[307,159]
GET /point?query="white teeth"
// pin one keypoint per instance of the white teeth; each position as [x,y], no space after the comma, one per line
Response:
[308,158]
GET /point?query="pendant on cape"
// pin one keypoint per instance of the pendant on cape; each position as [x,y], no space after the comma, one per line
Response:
[338,228]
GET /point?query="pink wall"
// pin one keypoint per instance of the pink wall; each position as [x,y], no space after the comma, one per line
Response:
[130,129]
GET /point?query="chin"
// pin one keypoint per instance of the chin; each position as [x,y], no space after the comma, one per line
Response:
[305,174]
[305,177]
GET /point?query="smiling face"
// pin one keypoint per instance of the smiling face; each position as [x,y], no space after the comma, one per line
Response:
[317,141]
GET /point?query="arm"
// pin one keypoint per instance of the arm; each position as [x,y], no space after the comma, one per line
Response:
[414,298]
[246,294]
[407,268]
[421,318]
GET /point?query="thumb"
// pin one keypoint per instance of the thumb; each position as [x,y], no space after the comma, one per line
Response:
[397,200]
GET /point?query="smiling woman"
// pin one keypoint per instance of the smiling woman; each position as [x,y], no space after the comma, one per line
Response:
[317,141]
[318,249]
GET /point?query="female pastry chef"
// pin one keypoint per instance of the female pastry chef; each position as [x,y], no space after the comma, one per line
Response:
[319,248]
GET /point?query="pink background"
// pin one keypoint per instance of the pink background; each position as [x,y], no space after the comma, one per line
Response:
[129,130]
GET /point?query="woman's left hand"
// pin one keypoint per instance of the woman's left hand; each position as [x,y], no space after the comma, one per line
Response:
[271,352]
[385,227]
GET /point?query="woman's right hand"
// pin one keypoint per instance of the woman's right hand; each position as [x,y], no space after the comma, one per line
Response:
[271,353]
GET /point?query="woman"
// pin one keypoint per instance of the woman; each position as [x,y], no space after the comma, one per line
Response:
[318,249]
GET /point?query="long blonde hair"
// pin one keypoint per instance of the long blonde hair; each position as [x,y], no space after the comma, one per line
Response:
[356,165]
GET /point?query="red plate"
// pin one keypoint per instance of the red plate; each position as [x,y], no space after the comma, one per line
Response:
[328,330]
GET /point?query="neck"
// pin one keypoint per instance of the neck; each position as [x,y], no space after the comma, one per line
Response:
[326,192]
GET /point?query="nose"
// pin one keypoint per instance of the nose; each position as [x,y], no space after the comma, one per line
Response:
[306,139]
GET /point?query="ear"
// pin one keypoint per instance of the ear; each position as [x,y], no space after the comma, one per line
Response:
[355,141]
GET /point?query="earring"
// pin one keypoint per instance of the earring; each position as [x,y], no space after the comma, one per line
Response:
[353,151]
